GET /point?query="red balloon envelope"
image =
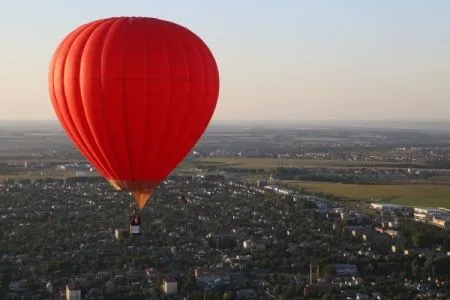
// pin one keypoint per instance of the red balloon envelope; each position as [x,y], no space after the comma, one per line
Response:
[134,94]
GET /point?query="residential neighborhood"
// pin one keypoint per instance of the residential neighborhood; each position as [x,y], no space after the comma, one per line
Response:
[230,239]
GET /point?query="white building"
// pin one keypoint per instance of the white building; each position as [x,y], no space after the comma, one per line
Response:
[385,206]
[443,222]
[247,244]
[431,211]
[419,217]
[121,233]
[170,286]
[392,233]
[435,216]
[49,287]
[72,292]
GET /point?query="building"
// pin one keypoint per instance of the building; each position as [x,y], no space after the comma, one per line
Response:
[170,286]
[282,191]
[345,270]
[254,245]
[121,233]
[420,217]
[49,287]
[261,183]
[442,222]
[430,210]
[392,233]
[73,292]
[205,275]
[434,216]
[246,294]
[393,224]
[247,244]
[80,174]
[316,289]
[420,252]
[385,206]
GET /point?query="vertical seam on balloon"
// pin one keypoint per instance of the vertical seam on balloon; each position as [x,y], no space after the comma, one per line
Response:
[180,129]
[106,164]
[205,88]
[56,102]
[158,150]
[199,125]
[105,125]
[145,129]
[124,112]
[54,99]
[88,151]
[153,156]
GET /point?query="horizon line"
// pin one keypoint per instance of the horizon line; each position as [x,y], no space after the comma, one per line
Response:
[272,120]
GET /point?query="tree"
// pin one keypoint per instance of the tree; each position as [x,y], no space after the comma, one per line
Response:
[277,289]
[441,266]
[422,240]
[329,271]
[290,291]
[327,296]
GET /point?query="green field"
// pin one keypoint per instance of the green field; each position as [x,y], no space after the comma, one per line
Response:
[268,163]
[407,194]
[64,174]
[49,173]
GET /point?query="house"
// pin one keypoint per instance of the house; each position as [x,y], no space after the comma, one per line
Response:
[204,275]
[345,270]
[443,222]
[170,286]
[73,292]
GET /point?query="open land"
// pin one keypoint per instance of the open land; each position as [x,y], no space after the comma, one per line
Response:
[406,194]
[333,151]
[56,217]
[419,193]
[271,163]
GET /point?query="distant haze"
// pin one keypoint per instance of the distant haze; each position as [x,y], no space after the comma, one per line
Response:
[435,126]
[279,60]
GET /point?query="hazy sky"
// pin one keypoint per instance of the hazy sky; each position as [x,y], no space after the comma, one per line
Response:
[287,59]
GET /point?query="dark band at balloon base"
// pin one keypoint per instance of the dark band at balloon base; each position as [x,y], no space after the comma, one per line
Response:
[142,190]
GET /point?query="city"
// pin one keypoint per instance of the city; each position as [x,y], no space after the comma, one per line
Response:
[237,236]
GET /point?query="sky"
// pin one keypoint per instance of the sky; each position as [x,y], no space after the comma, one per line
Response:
[278,60]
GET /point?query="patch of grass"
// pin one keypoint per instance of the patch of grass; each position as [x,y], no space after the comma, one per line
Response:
[408,194]
[45,160]
[269,163]
[33,175]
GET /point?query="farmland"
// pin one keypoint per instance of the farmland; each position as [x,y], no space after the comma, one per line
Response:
[46,173]
[414,174]
[415,194]
[407,194]
[270,163]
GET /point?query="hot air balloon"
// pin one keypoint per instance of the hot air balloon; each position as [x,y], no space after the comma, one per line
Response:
[134,94]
